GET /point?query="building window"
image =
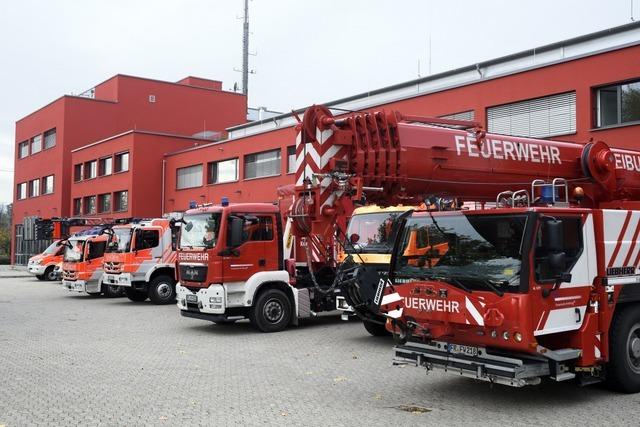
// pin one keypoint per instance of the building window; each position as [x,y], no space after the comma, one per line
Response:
[537,118]
[23,149]
[104,203]
[618,104]
[36,144]
[21,192]
[50,138]
[77,206]
[291,159]
[34,188]
[262,164]
[47,184]
[463,115]
[77,172]
[122,162]
[90,169]
[189,177]
[89,204]
[223,171]
[106,166]
[121,201]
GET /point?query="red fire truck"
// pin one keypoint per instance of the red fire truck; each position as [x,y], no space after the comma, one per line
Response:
[141,259]
[44,265]
[541,281]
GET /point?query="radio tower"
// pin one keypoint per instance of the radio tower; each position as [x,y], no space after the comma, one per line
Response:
[245,50]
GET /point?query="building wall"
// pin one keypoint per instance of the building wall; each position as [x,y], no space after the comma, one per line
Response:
[252,190]
[581,75]
[119,104]
[144,186]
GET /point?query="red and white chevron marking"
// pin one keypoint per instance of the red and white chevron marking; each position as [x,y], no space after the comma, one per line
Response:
[621,233]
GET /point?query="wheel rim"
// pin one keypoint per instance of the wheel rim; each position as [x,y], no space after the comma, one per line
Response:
[164,290]
[273,310]
[633,348]
[51,275]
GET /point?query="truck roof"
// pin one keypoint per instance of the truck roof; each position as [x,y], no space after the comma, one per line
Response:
[376,209]
[237,207]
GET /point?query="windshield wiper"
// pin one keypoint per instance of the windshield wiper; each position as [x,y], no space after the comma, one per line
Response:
[450,280]
[487,282]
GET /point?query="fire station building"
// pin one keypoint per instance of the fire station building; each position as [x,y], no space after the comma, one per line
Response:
[121,152]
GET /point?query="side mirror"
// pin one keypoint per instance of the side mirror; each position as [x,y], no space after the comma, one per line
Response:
[236,228]
[553,235]
[188,226]
[557,262]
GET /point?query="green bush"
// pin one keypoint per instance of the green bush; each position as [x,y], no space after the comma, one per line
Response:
[5,260]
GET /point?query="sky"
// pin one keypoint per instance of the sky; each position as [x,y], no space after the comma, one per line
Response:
[306,52]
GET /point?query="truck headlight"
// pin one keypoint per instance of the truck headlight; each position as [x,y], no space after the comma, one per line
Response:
[217,300]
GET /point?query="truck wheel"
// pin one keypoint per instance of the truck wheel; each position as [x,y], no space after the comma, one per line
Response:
[162,290]
[50,273]
[111,291]
[271,312]
[135,295]
[376,329]
[623,370]
[40,276]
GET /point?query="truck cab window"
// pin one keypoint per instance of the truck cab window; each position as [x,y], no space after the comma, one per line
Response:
[96,249]
[572,246]
[150,239]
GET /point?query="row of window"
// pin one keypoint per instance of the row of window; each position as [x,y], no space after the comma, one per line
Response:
[101,203]
[35,187]
[256,165]
[35,145]
[101,167]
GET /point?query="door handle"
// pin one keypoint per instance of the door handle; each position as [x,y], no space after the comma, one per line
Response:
[578,315]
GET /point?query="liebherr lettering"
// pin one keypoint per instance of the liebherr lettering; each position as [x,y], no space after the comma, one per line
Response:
[508,150]
[425,304]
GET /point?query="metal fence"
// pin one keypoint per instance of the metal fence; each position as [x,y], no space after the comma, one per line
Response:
[26,243]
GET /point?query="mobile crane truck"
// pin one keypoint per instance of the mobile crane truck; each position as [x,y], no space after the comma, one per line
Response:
[141,257]
[541,282]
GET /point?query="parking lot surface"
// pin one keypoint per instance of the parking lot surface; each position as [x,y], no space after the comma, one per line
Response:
[69,359]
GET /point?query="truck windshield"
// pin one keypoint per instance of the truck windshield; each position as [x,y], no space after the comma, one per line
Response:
[200,230]
[471,251]
[52,249]
[74,250]
[373,231]
[121,240]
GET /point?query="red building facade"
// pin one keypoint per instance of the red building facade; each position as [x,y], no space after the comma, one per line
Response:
[45,139]
[568,97]
[575,90]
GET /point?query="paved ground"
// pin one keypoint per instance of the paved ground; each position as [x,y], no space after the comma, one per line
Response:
[67,359]
[13,271]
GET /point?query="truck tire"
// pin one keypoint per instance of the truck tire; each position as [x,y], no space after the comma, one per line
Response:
[50,273]
[112,291]
[376,329]
[271,311]
[135,295]
[162,290]
[623,370]
[40,276]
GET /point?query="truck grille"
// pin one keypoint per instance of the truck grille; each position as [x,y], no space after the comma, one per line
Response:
[113,267]
[69,275]
[193,273]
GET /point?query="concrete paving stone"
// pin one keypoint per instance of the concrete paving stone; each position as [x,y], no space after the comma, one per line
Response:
[68,359]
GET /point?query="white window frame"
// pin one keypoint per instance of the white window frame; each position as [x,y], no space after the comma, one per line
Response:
[45,186]
[216,179]
[278,164]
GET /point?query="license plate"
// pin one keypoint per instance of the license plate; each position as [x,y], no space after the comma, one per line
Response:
[192,298]
[467,350]
[123,279]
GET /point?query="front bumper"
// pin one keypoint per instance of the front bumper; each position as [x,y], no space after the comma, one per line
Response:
[81,286]
[208,301]
[512,370]
[118,279]
[37,269]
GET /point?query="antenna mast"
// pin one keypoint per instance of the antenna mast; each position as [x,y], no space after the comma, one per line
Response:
[245,50]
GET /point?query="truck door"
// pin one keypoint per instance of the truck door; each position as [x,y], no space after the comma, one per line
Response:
[257,252]
[564,303]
